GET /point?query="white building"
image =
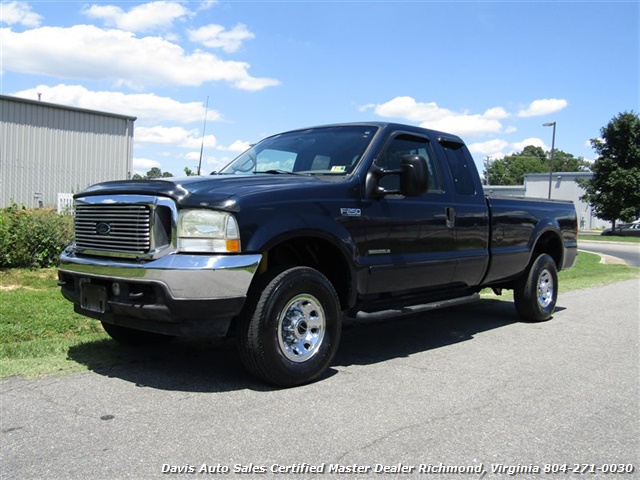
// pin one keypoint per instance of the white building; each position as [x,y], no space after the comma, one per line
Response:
[47,149]
[563,187]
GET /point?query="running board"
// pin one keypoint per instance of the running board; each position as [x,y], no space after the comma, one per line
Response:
[410,309]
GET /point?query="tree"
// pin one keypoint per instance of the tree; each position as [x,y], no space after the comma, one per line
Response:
[511,169]
[155,172]
[188,172]
[614,190]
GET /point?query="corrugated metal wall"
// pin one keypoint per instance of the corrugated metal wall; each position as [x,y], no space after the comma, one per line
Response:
[48,149]
[564,187]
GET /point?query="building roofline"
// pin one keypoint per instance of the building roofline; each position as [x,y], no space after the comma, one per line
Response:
[560,174]
[65,107]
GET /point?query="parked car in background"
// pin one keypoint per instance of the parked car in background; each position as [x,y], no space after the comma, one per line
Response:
[624,230]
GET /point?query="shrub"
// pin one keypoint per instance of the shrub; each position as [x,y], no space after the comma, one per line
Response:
[32,238]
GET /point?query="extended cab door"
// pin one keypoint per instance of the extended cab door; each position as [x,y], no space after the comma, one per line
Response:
[410,241]
[469,212]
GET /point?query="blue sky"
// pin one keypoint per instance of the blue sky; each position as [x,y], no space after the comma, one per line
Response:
[492,71]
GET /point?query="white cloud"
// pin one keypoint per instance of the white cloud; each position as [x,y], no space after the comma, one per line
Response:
[216,163]
[496,113]
[465,125]
[215,36]
[238,146]
[210,141]
[492,148]
[543,107]
[408,108]
[88,52]
[175,136]
[145,163]
[19,13]
[140,18]
[430,115]
[142,165]
[147,107]
[209,162]
[536,142]
[497,148]
[206,4]
[160,135]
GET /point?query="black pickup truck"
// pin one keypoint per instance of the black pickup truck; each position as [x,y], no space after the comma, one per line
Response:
[306,227]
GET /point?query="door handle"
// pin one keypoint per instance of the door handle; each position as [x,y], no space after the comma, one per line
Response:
[450,214]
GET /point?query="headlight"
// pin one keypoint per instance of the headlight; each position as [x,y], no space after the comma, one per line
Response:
[207,231]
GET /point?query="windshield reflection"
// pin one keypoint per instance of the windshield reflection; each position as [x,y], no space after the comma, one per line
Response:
[323,150]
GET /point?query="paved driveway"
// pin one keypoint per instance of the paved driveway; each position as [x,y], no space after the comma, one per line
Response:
[464,388]
[629,253]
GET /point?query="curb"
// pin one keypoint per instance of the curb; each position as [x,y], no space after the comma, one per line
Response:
[606,259]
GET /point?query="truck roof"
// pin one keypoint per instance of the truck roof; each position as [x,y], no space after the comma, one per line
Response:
[387,126]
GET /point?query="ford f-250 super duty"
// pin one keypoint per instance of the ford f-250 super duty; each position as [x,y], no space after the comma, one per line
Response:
[364,220]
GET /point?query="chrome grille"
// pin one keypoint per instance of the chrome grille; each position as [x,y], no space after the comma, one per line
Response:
[117,228]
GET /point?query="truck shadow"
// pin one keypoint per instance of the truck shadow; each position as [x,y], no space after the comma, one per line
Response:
[215,366]
[367,343]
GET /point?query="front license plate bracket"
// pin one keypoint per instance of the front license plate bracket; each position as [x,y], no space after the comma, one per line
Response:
[93,297]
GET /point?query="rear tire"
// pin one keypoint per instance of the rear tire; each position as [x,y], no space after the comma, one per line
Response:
[290,327]
[131,337]
[536,293]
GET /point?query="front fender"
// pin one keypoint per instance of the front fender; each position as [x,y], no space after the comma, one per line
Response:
[287,228]
[283,227]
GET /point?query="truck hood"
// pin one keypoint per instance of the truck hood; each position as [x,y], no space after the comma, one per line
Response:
[212,191]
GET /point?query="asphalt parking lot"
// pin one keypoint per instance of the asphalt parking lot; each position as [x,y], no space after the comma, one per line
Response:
[469,387]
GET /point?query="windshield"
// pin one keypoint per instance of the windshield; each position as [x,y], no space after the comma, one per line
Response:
[323,150]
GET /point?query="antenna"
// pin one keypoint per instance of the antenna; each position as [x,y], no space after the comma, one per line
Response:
[206,109]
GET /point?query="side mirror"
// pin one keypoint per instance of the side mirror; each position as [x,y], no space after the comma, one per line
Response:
[372,182]
[413,173]
[414,176]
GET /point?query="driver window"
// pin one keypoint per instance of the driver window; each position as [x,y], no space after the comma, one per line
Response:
[400,146]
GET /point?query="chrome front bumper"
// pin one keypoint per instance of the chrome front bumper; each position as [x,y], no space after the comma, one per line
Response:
[202,277]
[176,294]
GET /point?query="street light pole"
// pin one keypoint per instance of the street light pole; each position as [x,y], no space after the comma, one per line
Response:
[553,146]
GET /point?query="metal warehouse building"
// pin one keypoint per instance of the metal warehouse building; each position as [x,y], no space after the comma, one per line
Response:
[48,149]
[562,185]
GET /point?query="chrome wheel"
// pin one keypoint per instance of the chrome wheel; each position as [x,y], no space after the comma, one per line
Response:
[289,330]
[301,328]
[545,288]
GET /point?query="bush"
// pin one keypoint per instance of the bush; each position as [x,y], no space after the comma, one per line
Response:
[32,238]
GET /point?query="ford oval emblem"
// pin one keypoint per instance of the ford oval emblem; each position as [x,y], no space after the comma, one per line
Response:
[103,228]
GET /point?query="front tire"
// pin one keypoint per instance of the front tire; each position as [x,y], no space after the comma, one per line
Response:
[290,327]
[536,293]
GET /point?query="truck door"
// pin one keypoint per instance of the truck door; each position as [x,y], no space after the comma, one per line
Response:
[410,241]
[469,213]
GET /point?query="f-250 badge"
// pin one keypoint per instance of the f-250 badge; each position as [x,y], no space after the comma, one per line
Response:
[350,212]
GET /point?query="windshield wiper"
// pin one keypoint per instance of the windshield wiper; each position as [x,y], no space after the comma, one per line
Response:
[277,171]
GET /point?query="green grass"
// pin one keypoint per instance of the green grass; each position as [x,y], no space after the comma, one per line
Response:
[41,335]
[607,238]
[38,326]
[589,272]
